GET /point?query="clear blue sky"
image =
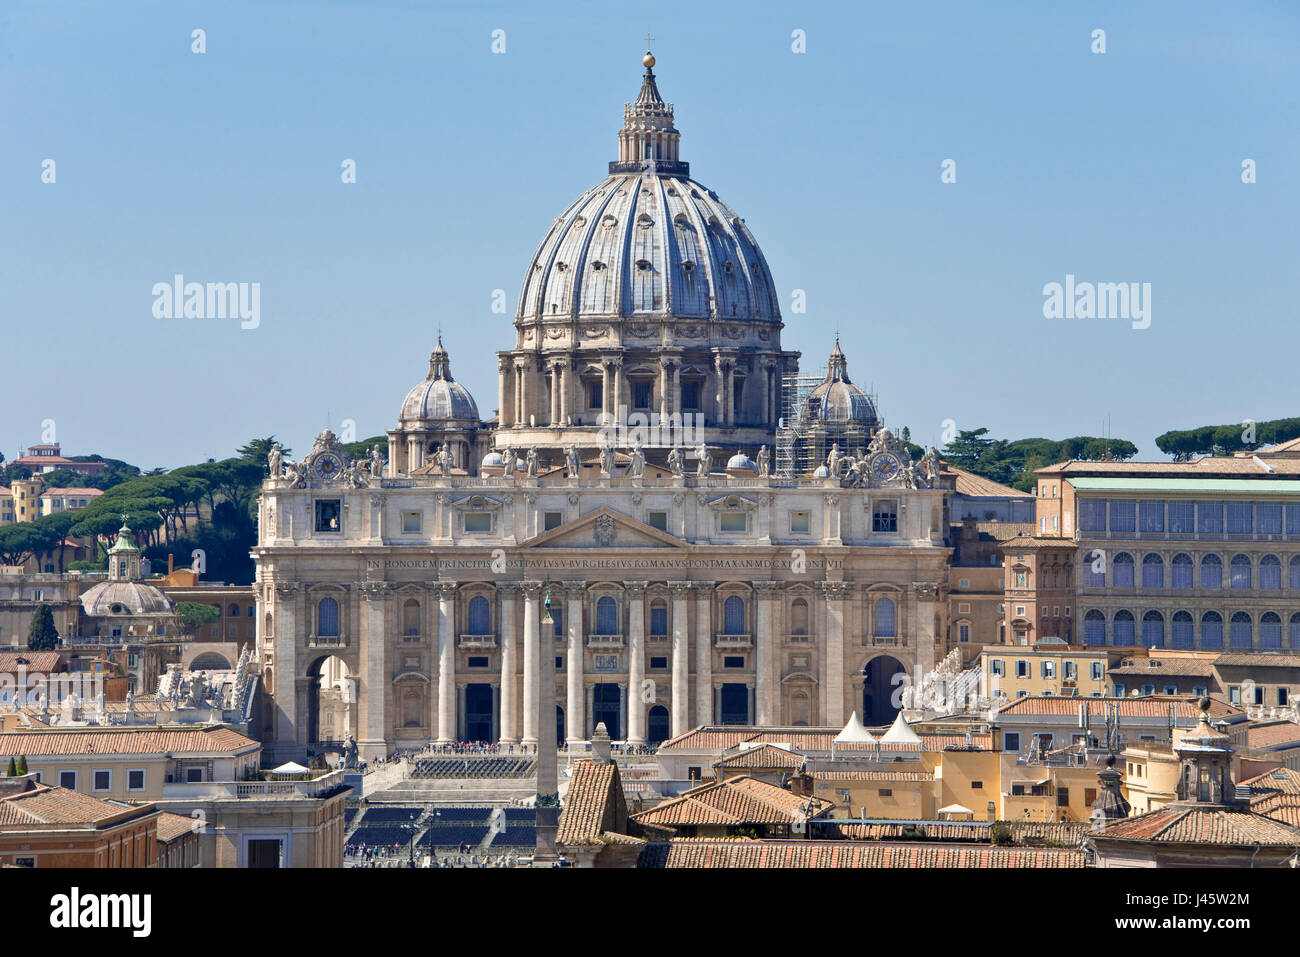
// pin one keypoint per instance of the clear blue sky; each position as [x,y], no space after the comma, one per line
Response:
[226,167]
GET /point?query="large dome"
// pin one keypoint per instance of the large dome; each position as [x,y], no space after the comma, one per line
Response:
[649,244]
[124,598]
[837,400]
[438,397]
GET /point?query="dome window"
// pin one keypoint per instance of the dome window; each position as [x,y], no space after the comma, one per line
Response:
[561,266]
[609,222]
[671,191]
[687,266]
[643,264]
[579,221]
[116,609]
[597,265]
[727,267]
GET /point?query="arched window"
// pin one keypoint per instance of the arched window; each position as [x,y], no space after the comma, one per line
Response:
[883,619]
[233,612]
[327,618]
[480,616]
[266,626]
[799,617]
[659,618]
[1240,630]
[1239,572]
[1094,569]
[1182,633]
[1293,573]
[606,616]
[1270,630]
[1180,571]
[1094,628]
[1124,628]
[1270,573]
[1294,637]
[1211,571]
[733,615]
[1153,571]
[410,617]
[1122,571]
[557,619]
[1153,629]
[1211,630]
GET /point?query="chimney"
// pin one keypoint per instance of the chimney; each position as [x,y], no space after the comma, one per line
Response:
[995,738]
[171,562]
[600,751]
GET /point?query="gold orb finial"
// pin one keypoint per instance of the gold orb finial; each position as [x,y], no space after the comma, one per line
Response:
[649,59]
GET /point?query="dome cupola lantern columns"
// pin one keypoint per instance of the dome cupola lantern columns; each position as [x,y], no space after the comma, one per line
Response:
[648,139]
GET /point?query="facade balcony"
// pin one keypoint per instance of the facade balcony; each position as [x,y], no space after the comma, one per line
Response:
[799,639]
[412,636]
[733,641]
[235,790]
[605,641]
[327,641]
[887,641]
[476,641]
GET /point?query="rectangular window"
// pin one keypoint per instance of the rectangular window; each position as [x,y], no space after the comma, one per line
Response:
[1122,516]
[478,521]
[329,515]
[1092,515]
[1022,668]
[596,397]
[1293,519]
[732,521]
[1234,694]
[1098,671]
[1182,518]
[1239,518]
[884,516]
[1283,697]
[1062,797]
[885,792]
[977,785]
[963,632]
[411,522]
[691,396]
[643,395]
[1268,518]
[1070,669]
[1011,741]
[478,661]
[68,779]
[1151,516]
[658,520]
[135,780]
[1049,669]
[733,661]
[551,520]
[1209,518]
[996,667]
[800,523]
[103,780]
[659,662]
[193,775]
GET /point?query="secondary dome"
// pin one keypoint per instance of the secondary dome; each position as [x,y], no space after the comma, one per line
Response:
[439,397]
[837,399]
[648,239]
[124,598]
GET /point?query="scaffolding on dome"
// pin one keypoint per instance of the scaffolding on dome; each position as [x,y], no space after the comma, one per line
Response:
[790,427]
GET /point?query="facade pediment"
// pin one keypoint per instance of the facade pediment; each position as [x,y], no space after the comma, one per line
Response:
[604,528]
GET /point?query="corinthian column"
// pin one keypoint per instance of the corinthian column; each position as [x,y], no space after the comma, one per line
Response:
[636,701]
[532,661]
[447,703]
[575,723]
[765,650]
[703,653]
[374,731]
[285,626]
[509,666]
[833,654]
[681,710]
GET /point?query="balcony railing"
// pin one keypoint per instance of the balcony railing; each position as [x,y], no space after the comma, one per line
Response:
[733,641]
[799,639]
[210,790]
[477,641]
[605,641]
[327,641]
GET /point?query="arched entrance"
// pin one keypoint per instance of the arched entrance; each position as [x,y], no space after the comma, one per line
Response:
[210,661]
[881,694]
[733,704]
[605,707]
[657,726]
[331,703]
[478,712]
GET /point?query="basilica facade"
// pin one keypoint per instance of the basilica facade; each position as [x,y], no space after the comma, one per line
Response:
[614,546]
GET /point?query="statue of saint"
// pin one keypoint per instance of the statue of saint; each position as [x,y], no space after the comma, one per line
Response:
[376,463]
[706,460]
[275,461]
[636,467]
[676,462]
[533,463]
[833,460]
[763,467]
[572,462]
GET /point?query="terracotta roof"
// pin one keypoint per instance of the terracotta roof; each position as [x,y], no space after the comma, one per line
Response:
[1066,833]
[1272,734]
[1279,781]
[765,756]
[593,804]
[171,826]
[739,800]
[51,805]
[1030,541]
[1290,445]
[1267,660]
[968,483]
[101,741]
[42,662]
[1205,466]
[90,492]
[1200,824]
[873,775]
[722,738]
[1148,706]
[1170,667]
[722,852]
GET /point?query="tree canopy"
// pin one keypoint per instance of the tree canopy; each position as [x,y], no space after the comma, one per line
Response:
[1015,462]
[1184,444]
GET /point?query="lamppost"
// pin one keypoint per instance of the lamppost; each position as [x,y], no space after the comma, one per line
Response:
[438,818]
[412,827]
[548,798]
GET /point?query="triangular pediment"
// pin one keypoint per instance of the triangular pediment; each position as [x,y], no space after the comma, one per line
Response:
[604,528]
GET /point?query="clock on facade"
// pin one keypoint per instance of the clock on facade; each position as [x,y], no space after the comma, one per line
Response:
[885,466]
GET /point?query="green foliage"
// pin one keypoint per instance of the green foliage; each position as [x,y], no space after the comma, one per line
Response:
[42,635]
[1013,463]
[13,768]
[22,541]
[256,450]
[1184,444]
[22,764]
[361,450]
[87,566]
[194,615]
[1002,834]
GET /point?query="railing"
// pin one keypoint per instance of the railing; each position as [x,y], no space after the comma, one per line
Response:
[887,642]
[209,790]
[799,639]
[605,641]
[733,641]
[477,641]
[327,641]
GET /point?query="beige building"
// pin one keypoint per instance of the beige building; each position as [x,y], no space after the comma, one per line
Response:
[1050,667]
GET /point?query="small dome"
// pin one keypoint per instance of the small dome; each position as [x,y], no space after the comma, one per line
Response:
[822,472]
[130,598]
[439,397]
[837,400]
[741,461]
[492,460]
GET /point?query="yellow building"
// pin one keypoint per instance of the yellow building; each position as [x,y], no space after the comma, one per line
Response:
[1150,775]
[1048,667]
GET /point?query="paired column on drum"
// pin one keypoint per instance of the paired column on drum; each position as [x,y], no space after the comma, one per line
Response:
[447,703]
[532,660]
[834,594]
[290,719]
[575,722]
[681,706]
[636,702]
[374,729]
[703,652]
[509,595]
[765,651]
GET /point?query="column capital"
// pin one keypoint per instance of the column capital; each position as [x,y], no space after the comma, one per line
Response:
[532,590]
[703,588]
[680,589]
[835,591]
[925,591]
[636,589]
[508,589]
[286,590]
[769,589]
[374,591]
[446,590]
